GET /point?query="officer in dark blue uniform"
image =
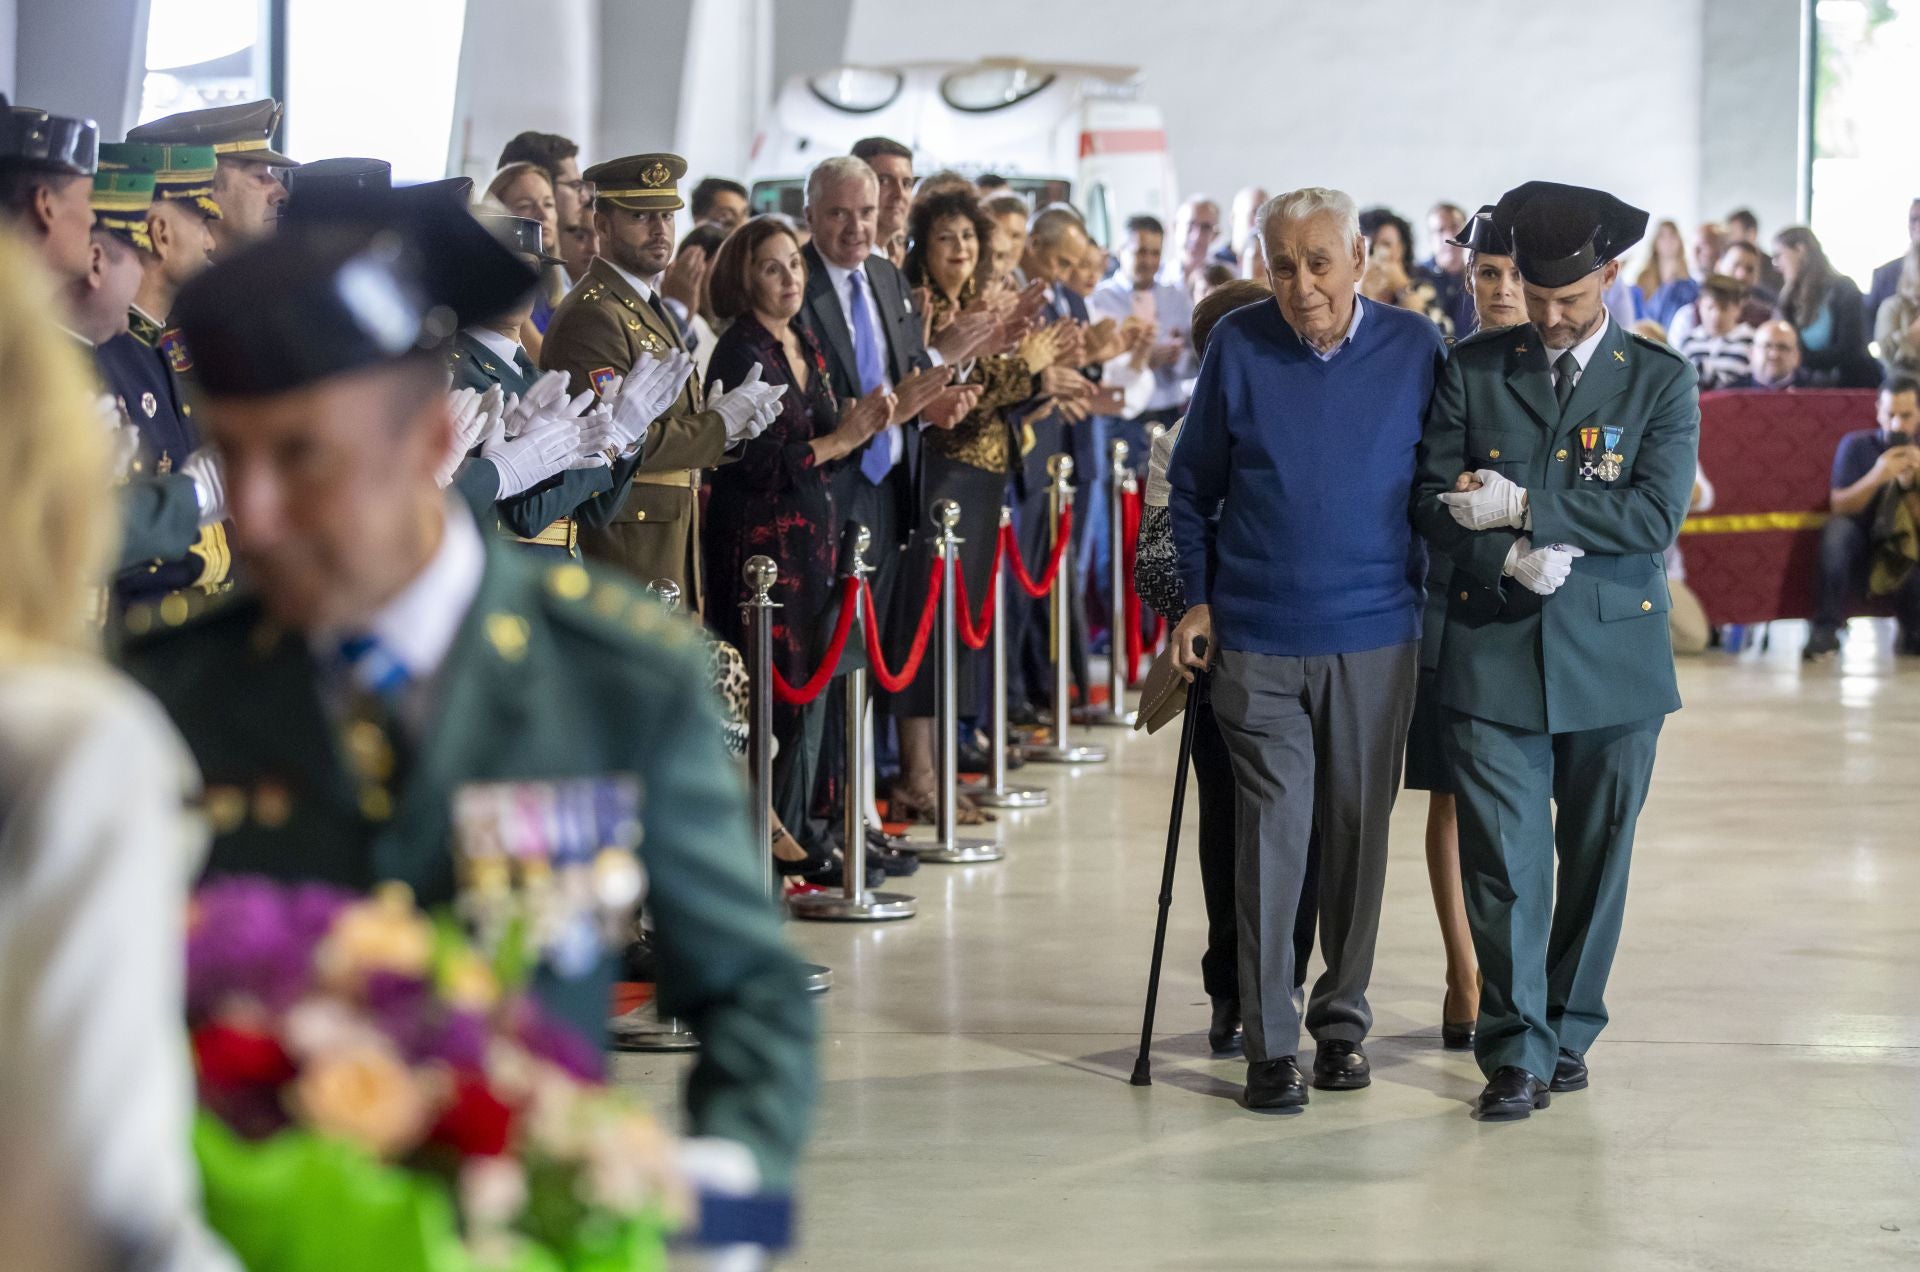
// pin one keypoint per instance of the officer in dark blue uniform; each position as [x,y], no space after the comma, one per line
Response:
[142,366]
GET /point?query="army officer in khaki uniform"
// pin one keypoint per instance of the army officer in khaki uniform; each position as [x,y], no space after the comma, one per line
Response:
[403,697]
[1556,468]
[649,525]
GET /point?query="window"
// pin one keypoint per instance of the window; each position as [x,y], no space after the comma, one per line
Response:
[858,90]
[203,53]
[1099,215]
[985,88]
[789,197]
[374,78]
[1864,175]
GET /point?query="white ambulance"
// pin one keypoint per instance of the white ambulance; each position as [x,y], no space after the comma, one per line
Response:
[1055,131]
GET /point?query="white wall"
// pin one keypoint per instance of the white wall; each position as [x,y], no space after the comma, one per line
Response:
[1405,102]
[524,67]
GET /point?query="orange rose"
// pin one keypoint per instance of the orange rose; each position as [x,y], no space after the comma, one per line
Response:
[364,1094]
[382,934]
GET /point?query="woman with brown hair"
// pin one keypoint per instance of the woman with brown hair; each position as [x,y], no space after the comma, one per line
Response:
[1664,286]
[949,254]
[775,500]
[526,189]
[96,853]
[1824,306]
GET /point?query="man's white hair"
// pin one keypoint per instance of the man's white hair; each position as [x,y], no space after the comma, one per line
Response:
[830,172]
[1309,201]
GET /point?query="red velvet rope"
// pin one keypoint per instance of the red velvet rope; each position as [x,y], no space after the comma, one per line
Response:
[1011,548]
[821,678]
[970,636]
[894,682]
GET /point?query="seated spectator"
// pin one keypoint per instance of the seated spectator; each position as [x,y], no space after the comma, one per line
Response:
[1896,330]
[1865,465]
[1886,278]
[1743,227]
[1008,212]
[1721,346]
[1664,285]
[1775,360]
[719,202]
[1824,306]
[1709,240]
[1742,262]
[1390,277]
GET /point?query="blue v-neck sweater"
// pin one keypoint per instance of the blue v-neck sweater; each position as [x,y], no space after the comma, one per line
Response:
[1292,481]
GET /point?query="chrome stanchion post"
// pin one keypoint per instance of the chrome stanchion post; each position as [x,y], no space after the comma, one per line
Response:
[998,794]
[854,903]
[644,1028]
[1115,714]
[756,612]
[1063,751]
[945,847]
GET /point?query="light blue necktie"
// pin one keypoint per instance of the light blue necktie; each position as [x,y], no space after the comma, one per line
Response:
[373,669]
[878,460]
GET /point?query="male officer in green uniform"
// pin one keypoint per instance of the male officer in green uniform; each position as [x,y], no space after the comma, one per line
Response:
[143,365]
[400,691]
[1555,471]
[649,525]
[246,186]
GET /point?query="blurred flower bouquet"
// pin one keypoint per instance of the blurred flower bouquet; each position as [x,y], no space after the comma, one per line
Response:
[376,1094]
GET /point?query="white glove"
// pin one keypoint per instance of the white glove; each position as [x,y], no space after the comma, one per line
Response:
[469,422]
[1497,503]
[209,483]
[596,439]
[1540,570]
[645,392]
[744,407]
[123,447]
[542,449]
[544,393]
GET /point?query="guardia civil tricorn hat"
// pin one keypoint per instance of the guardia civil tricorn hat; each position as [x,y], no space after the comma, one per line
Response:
[1562,233]
[1481,236]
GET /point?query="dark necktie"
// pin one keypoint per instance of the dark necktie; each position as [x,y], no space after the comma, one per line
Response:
[666,316]
[525,365]
[1566,368]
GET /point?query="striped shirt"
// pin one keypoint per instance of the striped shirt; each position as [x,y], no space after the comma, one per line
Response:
[1719,360]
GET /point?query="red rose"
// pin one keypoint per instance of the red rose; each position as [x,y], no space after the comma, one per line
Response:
[230,1057]
[477,1123]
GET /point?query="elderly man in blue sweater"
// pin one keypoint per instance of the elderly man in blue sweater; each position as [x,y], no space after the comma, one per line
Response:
[1291,485]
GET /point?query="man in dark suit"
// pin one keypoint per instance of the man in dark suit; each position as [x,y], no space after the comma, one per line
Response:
[1886,278]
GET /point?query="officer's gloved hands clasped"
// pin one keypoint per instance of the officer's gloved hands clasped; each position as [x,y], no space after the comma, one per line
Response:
[1494,503]
[546,440]
[749,407]
[1540,570]
[644,394]
[209,483]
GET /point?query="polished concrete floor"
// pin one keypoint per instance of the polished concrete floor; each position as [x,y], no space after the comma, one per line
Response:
[1756,1099]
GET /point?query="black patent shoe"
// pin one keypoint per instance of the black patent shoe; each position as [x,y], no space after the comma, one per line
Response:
[1339,1065]
[1458,1037]
[1569,1073]
[1512,1095]
[1275,1086]
[1223,1035]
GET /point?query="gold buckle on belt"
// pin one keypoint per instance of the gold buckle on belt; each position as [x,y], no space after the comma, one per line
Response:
[563,533]
[678,478]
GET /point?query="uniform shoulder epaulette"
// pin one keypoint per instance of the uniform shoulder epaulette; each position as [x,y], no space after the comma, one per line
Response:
[144,329]
[151,623]
[602,605]
[1660,346]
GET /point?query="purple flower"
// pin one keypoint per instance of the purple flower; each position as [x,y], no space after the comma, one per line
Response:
[552,1041]
[251,937]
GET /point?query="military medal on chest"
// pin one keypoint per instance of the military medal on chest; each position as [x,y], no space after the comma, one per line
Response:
[1589,453]
[1608,469]
[550,866]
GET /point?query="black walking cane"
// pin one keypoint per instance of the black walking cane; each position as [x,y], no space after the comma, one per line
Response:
[1142,1069]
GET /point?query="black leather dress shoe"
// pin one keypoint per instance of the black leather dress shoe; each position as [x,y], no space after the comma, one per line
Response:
[1223,1035]
[1275,1086]
[1340,1066]
[1513,1094]
[1569,1073]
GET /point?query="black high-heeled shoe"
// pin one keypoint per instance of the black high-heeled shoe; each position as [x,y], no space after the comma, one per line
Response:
[1456,1035]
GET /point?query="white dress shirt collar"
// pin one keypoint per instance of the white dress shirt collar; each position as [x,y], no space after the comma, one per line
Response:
[634,281]
[503,347]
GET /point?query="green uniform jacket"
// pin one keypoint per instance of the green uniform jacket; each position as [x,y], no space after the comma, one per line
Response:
[556,672]
[474,366]
[159,520]
[1595,653]
[650,530]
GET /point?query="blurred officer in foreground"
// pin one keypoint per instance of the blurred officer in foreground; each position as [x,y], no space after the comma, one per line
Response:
[400,697]
[1556,468]
[247,185]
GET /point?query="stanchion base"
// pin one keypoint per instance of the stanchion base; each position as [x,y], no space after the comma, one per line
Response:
[645,1029]
[1008,796]
[1106,719]
[819,979]
[1068,754]
[834,907]
[961,852]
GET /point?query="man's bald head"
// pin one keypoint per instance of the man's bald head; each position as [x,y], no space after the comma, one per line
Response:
[1776,354]
[1056,242]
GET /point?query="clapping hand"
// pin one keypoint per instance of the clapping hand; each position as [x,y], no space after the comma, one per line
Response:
[643,395]
[961,338]
[865,418]
[1070,343]
[916,390]
[684,277]
[1102,340]
[952,405]
[209,483]
[538,437]
[749,407]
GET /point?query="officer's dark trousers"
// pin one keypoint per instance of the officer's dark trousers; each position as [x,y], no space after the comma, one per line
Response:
[1545,939]
[1845,559]
[1317,743]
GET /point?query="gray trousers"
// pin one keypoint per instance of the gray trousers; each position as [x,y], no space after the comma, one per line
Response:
[1317,746]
